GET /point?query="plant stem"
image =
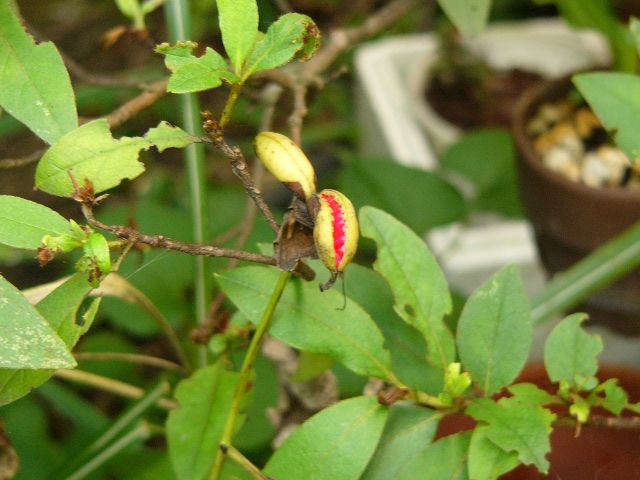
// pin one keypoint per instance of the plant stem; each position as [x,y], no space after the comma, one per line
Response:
[142,432]
[237,456]
[117,427]
[131,358]
[231,103]
[177,17]
[245,373]
[603,266]
[109,385]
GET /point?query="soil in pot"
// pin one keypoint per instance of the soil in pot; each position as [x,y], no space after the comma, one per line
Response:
[469,93]
[578,190]
[598,453]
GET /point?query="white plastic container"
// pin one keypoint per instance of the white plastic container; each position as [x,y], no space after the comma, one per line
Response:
[396,122]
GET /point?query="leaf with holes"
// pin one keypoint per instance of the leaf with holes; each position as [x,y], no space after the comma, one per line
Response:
[193,74]
[516,427]
[91,153]
[292,34]
[36,89]
[570,353]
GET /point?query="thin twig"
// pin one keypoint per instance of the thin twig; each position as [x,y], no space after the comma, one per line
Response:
[109,385]
[237,456]
[134,106]
[238,166]
[130,358]
[245,373]
[160,241]
[32,157]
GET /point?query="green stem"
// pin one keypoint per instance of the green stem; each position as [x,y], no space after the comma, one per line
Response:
[237,456]
[120,425]
[245,373]
[606,264]
[177,16]
[230,105]
[142,432]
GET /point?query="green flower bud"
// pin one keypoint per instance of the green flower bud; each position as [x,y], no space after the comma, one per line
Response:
[287,162]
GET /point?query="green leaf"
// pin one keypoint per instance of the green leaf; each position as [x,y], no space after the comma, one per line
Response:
[421,200]
[487,461]
[27,340]
[291,34]
[516,427]
[443,460]
[190,73]
[310,320]
[409,431]
[310,366]
[570,353]
[615,398]
[531,394]
[615,98]
[24,223]
[239,27]
[419,287]
[335,444]
[91,153]
[36,88]
[194,429]
[60,308]
[469,16]
[600,15]
[495,332]
[486,158]
[408,348]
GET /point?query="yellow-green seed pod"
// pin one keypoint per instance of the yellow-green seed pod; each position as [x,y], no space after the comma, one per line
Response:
[336,232]
[287,162]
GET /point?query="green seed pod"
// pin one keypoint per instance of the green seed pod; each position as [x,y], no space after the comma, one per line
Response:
[335,232]
[287,162]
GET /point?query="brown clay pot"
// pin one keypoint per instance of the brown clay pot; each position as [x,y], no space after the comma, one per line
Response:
[597,453]
[571,219]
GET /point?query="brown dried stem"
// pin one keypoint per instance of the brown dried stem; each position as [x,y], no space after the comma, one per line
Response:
[160,241]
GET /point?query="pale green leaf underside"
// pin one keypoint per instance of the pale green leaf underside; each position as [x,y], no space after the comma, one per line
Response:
[91,153]
[311,320]
[27,340]
[419,287]
[487,461]
[36,88]
[444,459]
[24,223]
[335,444]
